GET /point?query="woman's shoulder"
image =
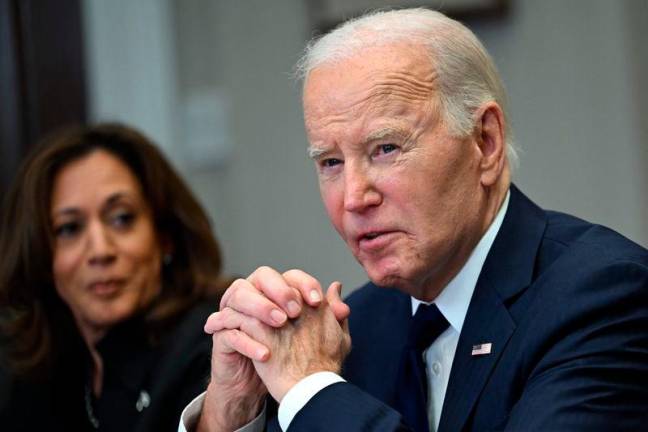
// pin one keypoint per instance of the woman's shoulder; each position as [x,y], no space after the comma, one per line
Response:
[184,340]
[189,325]
[182,369]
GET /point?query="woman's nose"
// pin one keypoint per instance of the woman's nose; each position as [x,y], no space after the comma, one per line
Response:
[101,247]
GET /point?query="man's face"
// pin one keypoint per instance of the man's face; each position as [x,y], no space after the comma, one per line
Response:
[398,187]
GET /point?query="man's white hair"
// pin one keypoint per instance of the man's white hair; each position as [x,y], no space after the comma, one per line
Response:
[467,75]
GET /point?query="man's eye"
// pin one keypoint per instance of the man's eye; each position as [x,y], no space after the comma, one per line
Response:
[67,230]
[386,148]
[328,163]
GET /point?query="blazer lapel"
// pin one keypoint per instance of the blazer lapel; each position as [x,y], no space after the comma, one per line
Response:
[508,270]
[379,331]
[487,321]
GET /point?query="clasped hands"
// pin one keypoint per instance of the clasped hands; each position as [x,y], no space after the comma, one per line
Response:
[272,330]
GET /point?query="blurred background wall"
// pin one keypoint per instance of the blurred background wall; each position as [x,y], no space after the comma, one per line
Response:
[210,81]
[216,74]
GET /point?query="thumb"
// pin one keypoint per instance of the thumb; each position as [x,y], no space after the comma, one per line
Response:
[340,309]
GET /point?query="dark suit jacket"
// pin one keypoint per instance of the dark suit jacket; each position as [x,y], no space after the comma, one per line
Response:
[564,304]
[173,372]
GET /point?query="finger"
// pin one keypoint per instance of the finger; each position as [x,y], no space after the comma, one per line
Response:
[277,289]
[309,287]
[234,340]
[244,297]
[251,328]
[347,336]
[227,319]
[333,296]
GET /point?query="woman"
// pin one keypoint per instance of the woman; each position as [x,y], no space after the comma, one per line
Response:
[109,269]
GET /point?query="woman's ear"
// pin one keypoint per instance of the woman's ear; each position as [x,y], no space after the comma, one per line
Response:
[491,139]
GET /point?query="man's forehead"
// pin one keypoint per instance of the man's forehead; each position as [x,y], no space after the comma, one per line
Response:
[397,71]
[386,57]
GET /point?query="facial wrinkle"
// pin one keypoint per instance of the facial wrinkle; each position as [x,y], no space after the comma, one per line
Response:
[382,90]
[341,114]
[405,86]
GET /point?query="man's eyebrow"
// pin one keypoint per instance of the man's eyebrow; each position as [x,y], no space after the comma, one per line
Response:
[317,152]
[388,132]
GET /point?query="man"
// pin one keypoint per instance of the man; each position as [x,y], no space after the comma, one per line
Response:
[540,319]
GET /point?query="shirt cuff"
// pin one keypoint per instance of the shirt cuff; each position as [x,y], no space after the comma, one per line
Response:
[299,395]
[191,414]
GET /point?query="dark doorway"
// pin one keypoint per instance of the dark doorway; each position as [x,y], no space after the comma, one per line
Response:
[42,77]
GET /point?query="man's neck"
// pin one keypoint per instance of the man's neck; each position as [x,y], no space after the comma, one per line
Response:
[454,298]
[494,199]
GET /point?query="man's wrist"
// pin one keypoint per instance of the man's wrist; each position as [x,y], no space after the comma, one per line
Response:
[223,413]
[299,395]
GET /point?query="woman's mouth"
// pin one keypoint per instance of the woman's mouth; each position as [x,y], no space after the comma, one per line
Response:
[106,288]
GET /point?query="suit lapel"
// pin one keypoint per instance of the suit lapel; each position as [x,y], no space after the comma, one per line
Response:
[507,271]
[379,331]
[487,321]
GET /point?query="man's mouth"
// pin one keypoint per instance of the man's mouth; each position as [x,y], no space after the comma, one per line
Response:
[375,240]
[371,236]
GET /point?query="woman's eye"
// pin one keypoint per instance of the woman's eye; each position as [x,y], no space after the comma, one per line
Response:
[122,219]
[67,229]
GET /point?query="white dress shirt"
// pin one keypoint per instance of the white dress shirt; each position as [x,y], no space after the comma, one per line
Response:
[453,303]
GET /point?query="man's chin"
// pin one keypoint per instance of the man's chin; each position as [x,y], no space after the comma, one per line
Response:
[384,279]
[393,277]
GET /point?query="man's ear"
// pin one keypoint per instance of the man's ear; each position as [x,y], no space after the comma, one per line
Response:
[490,135]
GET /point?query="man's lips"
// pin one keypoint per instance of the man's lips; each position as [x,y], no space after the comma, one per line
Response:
[374,240]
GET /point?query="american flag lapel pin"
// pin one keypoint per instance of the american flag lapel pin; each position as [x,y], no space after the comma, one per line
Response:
[482,349]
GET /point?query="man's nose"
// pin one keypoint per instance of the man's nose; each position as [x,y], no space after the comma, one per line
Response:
[360,191]
[101,246]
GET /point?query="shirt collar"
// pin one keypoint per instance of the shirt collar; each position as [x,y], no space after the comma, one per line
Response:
[455,298]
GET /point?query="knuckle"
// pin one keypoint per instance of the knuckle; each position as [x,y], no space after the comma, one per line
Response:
[237,285]
[256,325]
[225,314]
[293,273]
[231,292]
[236,299]
[263,270]
[213,320]
[234,337]
[259,307]
[212,317]
[223,339]
[304,280]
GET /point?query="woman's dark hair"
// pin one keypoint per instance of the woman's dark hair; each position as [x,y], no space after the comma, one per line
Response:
[31,308]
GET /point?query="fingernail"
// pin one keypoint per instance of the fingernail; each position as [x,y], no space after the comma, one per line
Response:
[315,296]
[278,316]
[293,308]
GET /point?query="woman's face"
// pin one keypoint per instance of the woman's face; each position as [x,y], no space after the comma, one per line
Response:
[107,255]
